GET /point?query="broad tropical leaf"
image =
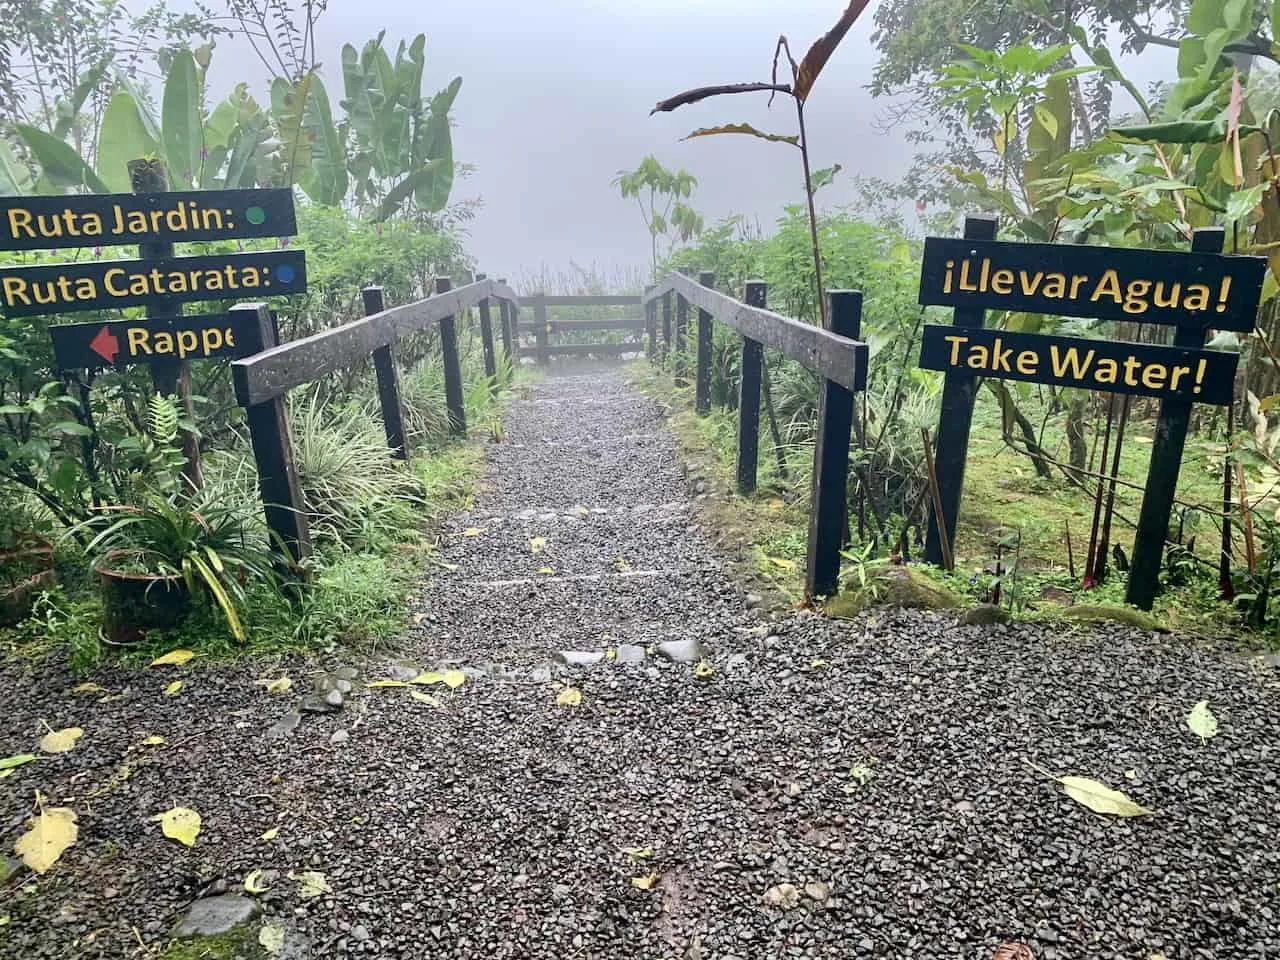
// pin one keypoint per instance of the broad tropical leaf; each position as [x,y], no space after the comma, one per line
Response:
[421,179]
[288,103]
[744,128]
[822,49]
[14,179]
[61,165]
[432,194]
[183,133]
[326,180]
[123,137]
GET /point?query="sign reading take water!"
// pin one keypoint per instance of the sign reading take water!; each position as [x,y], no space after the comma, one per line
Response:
[101,220]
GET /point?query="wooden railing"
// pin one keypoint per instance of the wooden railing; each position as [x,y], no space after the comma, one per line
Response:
[836,355]
[263,379]
[543,328]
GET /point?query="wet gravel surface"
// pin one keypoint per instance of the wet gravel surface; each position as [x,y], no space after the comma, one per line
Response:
[876,766]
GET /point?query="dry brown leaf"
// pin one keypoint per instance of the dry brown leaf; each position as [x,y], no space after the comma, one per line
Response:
[569,697]
[60,741]
[822,49]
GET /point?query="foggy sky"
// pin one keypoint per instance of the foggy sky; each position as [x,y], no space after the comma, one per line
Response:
[555,101]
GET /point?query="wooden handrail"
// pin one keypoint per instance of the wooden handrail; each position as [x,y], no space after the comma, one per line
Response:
[274,372]
[827,354]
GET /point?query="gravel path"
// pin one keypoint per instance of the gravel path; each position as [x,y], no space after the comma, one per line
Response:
[877,766]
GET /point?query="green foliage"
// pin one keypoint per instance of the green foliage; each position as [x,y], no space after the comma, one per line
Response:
[660,193]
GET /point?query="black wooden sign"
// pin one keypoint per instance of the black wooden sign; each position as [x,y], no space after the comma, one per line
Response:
[1108,283]
[102,220]
[1205,376]
[121,343]
[101,284]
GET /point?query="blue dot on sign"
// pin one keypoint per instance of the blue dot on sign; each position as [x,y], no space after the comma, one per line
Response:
[285,274]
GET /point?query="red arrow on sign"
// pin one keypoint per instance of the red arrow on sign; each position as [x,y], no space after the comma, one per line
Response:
[105,345]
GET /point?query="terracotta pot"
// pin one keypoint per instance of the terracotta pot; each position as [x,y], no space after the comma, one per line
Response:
[35,559]
[134,603]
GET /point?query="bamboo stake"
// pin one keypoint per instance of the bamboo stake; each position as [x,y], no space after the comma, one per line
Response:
[1100,561]
[948,560]
[1097,499]
[1226,591]
[1247,518]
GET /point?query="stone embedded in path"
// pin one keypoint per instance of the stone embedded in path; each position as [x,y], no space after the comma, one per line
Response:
[285,725]
[316,703]
[680,651]
[579,658]
[983,615]
[629,653]
[404,671]
[216,915]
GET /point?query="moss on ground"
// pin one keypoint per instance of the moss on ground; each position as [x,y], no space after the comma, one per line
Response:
[1111,613]
[238,944]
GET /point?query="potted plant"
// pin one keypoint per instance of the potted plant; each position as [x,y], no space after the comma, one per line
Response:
[153,560]
[26,563]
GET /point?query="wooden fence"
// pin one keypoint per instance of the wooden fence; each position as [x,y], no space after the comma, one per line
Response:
[544,329]
[263,379]
[836,355]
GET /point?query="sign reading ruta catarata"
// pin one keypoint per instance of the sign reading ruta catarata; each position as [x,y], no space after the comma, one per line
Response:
[101,220]
[124,342]
[1213,291]
[99,284]
[1206,376]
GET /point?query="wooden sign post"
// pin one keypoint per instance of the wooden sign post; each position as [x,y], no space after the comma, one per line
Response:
[1194,292]
[154,218]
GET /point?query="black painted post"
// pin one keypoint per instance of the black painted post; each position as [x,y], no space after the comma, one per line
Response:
[507,312]
[958,393]
[486,336]
[702,374]
[452,367]
[273,451]
[384,367]
[749,396]
[540,329]
[170,377]
[666,324]
[682,323]
[651,326]
[1167,447]
[831,462]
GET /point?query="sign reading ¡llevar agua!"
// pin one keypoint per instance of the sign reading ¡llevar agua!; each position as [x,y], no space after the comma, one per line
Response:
[1206,376]
[102,220]
[120,343]
[1107,283]
[103,284]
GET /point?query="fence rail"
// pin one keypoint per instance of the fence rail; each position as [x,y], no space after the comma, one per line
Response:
[543,328]
[263,379]
[836,355]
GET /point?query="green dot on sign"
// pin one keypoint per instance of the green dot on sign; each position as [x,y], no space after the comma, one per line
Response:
[255,215]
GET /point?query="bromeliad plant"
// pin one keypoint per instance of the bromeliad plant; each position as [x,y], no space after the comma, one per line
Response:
[803,76]
[212,550]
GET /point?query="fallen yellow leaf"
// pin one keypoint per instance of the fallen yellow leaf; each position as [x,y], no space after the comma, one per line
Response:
[181,824]
[174,658]
[704,670]
[425,698]
[472,532]
[646,882]
[453,679]
[569,697]
[430,677]
[153,741]
[545,571]
[271,834]
[60,741]
[173,688]
[84,689]
[47,836]
[271,937]
[537,544]
[386,683]
[278,685]
[253,882]
[638,853]
[311,883]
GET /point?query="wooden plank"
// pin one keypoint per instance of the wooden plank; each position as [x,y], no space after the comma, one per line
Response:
[749,372]
[682,325]
[650,326]
[831,356]
[586,326]
[276,371]
[272,444]
[598,349]
[632,300]
[508,320]
[452,367]
[829,486]
[702,374]
[666,325]
[958,393]
[486,336]
[384,368]
[540,330]
[1167,448]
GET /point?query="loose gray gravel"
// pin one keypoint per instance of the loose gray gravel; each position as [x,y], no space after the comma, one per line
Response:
[831,790]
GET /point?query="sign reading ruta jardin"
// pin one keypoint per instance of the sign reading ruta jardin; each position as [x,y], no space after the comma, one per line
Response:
[1195,292]
[101,220]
